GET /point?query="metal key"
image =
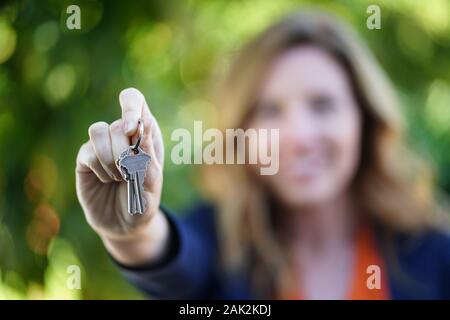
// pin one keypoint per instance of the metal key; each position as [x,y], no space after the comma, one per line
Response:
[133,165]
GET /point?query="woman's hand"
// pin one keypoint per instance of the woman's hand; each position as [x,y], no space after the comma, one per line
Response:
[102,191]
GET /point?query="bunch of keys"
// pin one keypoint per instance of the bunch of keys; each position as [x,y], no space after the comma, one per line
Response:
[133,163]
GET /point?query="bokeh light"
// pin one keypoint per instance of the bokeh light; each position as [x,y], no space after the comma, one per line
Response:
[8,39]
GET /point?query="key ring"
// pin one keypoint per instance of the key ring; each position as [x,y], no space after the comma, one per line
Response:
[141,134]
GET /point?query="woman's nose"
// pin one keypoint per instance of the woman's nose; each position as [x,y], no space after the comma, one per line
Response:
[299,129]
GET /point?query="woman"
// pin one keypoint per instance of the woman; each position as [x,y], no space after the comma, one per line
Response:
[349,215]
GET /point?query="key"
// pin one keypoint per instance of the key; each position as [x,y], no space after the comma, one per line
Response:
[128,179]
[139,187]
[133,163]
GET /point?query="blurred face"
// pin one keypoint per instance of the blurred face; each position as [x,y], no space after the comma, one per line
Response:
[308,97]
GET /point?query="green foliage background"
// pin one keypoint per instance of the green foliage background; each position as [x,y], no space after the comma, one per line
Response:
[55,82]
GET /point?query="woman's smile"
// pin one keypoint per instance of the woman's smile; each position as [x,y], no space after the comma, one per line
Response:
[305,168]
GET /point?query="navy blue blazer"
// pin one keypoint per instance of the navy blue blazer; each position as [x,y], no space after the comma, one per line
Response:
[420,270]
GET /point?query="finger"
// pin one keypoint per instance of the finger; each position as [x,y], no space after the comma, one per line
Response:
[134,107]
[153,134]
[119,141]
[101,141]
[159,144]
[87,161]
[147,143]
[154,169]
[132,102]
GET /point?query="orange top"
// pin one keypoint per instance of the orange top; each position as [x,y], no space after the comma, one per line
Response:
[366,254]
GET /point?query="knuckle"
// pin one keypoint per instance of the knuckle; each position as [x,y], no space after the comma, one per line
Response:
[98,128]
[82,151]
[85,149]
[116,126]
[129,113]
[90,153]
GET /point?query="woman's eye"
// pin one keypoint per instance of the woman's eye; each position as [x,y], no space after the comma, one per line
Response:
[322,104]
[269,110]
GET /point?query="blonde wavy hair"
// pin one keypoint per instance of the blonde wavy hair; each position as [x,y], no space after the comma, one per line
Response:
[393,184]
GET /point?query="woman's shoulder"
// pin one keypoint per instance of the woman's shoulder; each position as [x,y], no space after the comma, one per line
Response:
[439,238]
[437,241]
[418,262]
[426,257]
[432,242]
[432,239]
